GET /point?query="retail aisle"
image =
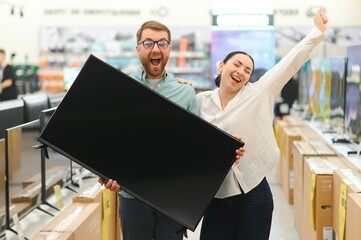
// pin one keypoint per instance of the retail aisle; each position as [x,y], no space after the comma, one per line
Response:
[283,227]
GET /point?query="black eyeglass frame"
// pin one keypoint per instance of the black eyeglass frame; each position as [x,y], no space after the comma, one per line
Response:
[155,42]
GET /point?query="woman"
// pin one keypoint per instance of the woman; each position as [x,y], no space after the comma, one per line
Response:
[243,205]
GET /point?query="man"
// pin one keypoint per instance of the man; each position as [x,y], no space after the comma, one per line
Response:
[139,221]
[8,88]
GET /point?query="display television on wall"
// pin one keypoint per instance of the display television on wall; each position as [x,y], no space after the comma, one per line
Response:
[353,93]
[338,88]
[325,89]
[303,85]
[314,88]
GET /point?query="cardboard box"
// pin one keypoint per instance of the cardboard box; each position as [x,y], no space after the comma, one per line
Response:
[318,197]
[294,121]
[92,192]
[322,148]
[290,134]
[301,150]
[308,134]
[346,181]
[31,193]
[353,216]
[53,236]
[58,172]
[281,130]
[82,220]
[278,128]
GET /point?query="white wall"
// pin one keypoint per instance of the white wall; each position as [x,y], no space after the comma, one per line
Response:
[342,13]
[21,35]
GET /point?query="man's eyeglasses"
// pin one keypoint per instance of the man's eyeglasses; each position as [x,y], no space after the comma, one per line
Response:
[149,44]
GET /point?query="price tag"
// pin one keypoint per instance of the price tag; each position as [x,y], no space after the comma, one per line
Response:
[58,196]
[18,227]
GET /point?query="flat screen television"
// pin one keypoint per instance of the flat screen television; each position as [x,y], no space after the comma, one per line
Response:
[338,88]
[325,89]
[353,93]
[314,88]
[304,85]
[2,188]
[160,153]
[11,114]
[22,170]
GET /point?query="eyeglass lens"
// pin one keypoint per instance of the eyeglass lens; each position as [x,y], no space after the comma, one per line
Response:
[149,44]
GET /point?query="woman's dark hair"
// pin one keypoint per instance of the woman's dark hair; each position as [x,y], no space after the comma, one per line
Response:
[217,80]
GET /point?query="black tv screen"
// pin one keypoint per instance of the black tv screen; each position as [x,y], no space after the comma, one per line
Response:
[353,93]
[116,127]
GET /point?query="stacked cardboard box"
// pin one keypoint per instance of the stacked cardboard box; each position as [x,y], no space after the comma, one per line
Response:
[318,197]
[76,221]
[353,217]
[287,130]
[290,134]
[93,192]
[279,125]
[346,181]
[302,150]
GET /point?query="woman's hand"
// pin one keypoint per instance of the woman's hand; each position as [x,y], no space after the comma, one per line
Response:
[240,151]
[320,20]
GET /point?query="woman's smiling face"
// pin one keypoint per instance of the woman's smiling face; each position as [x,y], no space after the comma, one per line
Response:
[236,72]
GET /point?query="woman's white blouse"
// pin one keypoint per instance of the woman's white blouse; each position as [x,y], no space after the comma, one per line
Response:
[250,115]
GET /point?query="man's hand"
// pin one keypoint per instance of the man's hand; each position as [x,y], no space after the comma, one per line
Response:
[110,184]
[183,81]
